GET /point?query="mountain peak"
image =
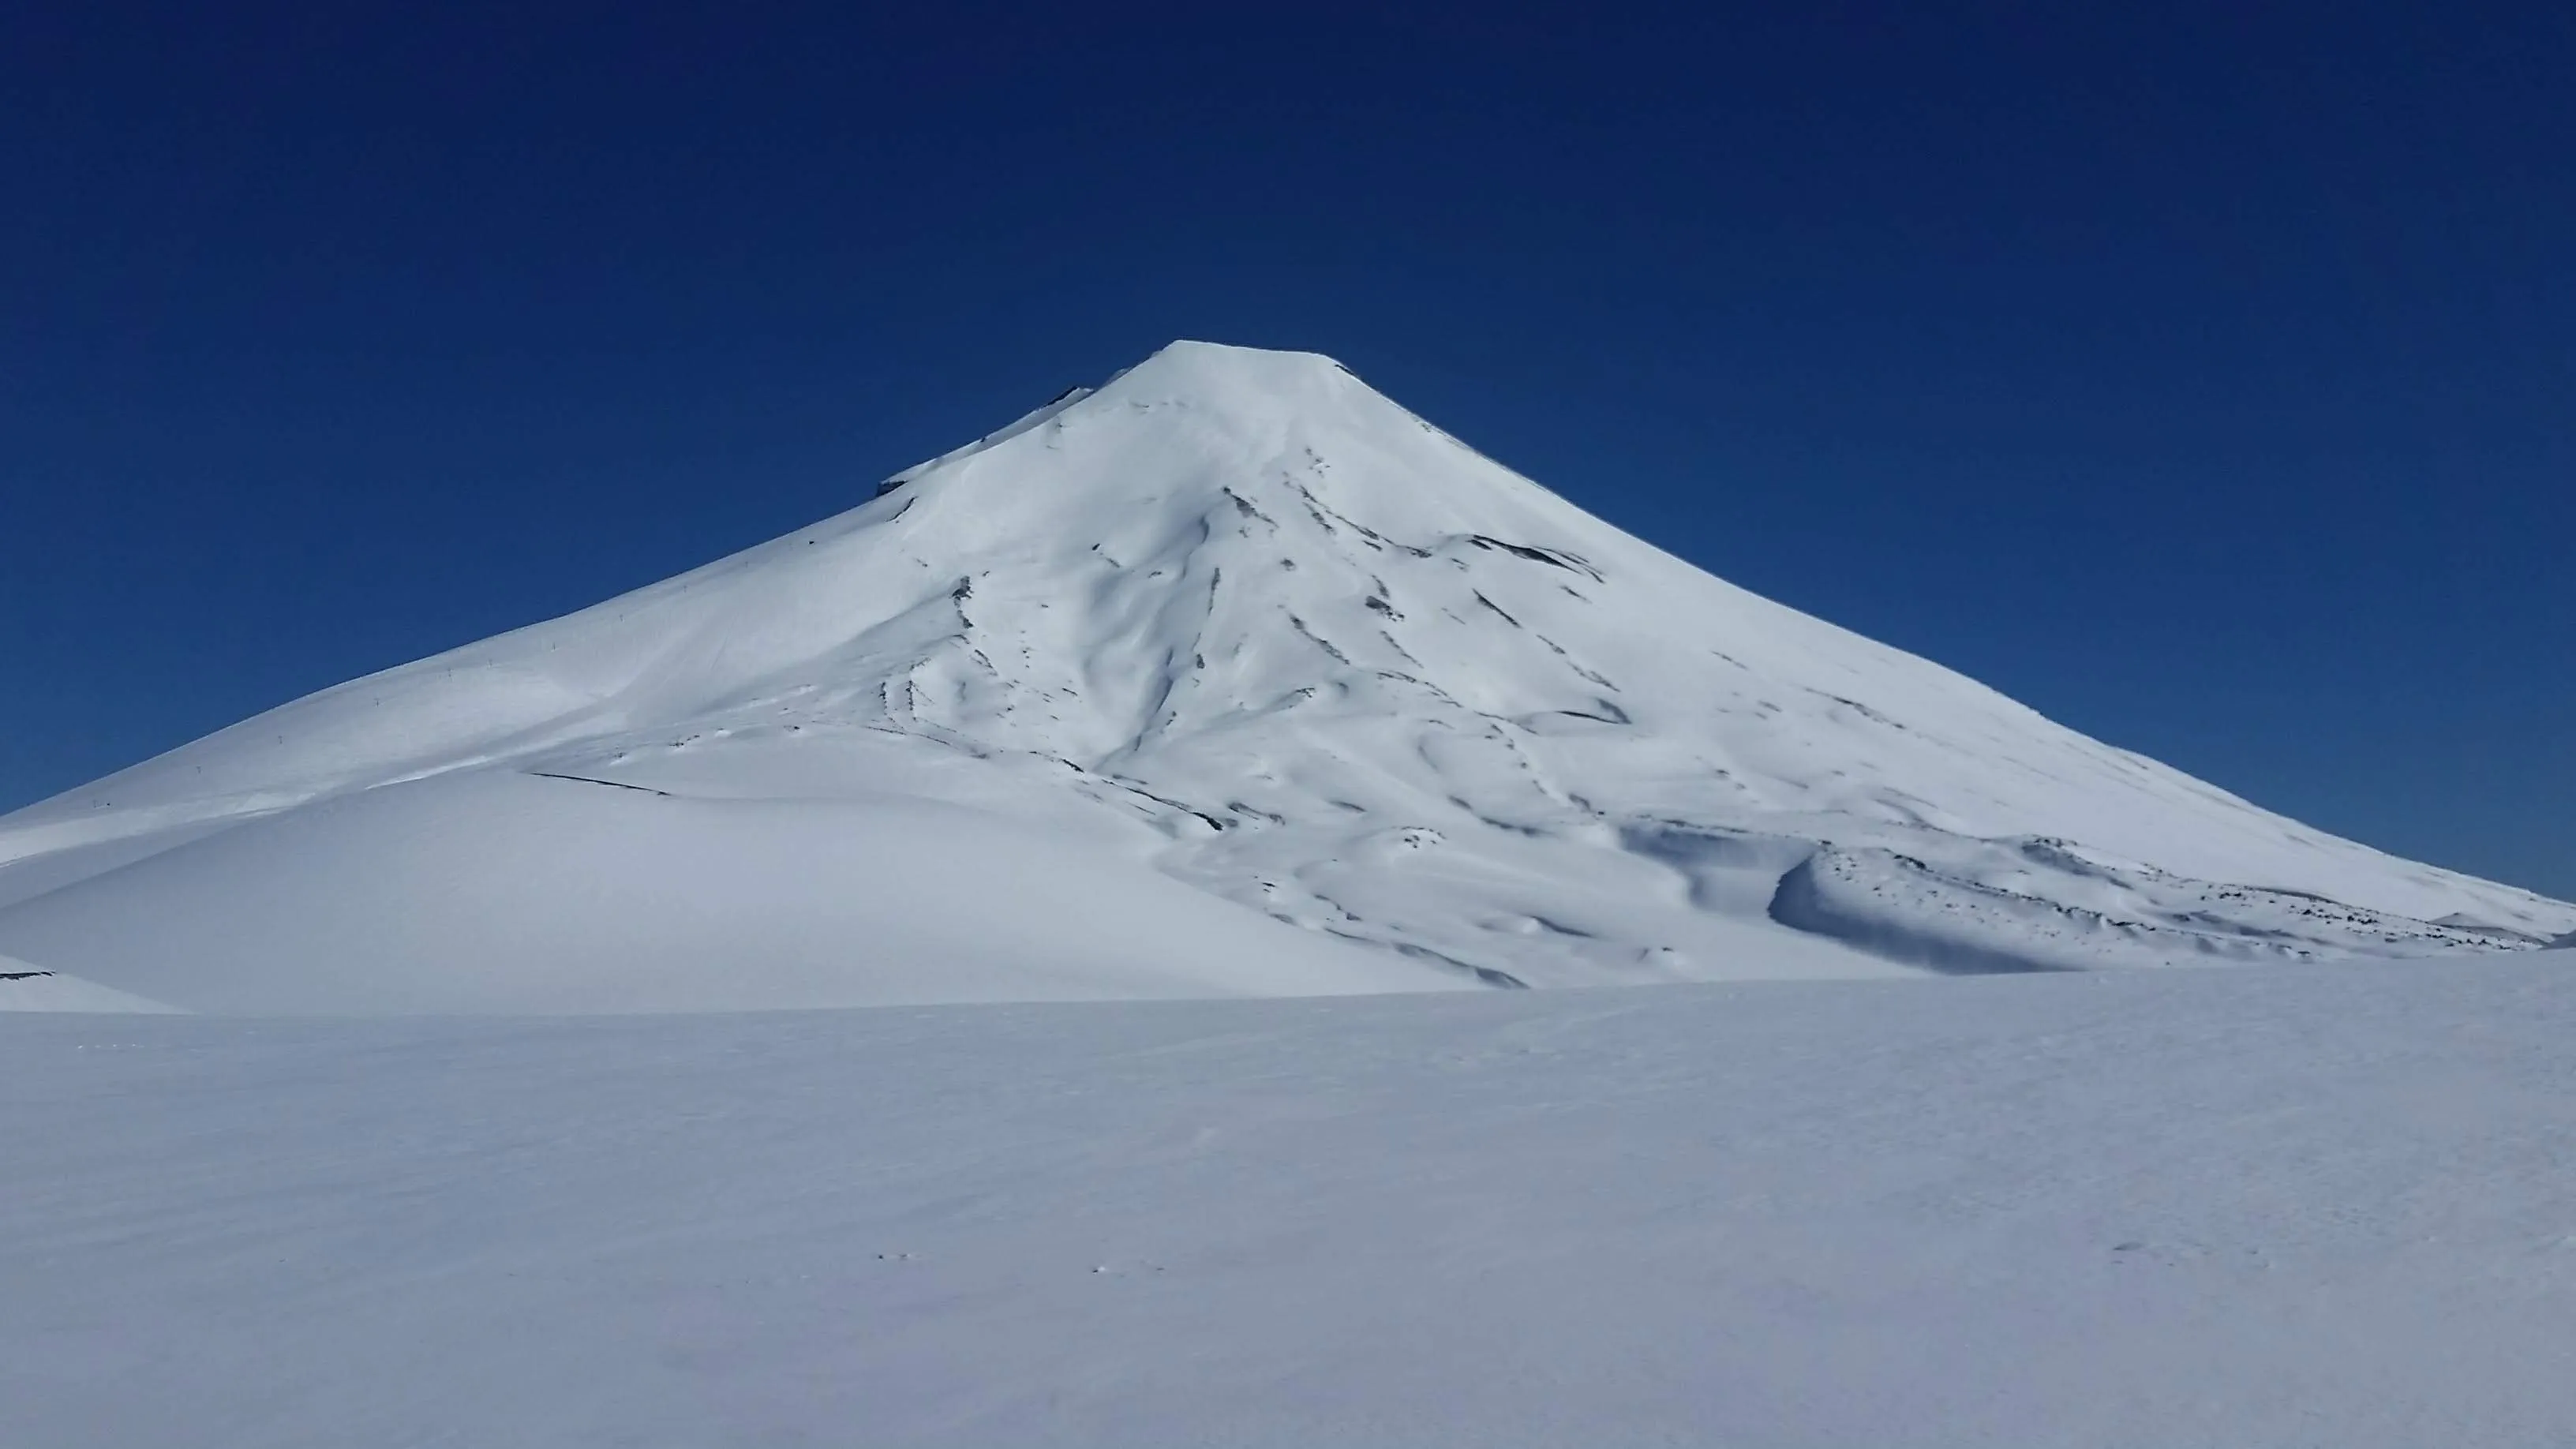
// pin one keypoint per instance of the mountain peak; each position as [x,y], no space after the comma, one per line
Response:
[1243,623]
[1189,385]
[1231,364]
[1258,385]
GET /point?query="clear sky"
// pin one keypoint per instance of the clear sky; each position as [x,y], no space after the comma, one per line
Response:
[2204,376]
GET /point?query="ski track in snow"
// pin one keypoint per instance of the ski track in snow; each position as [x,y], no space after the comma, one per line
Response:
[2311,1206]
[1232,620]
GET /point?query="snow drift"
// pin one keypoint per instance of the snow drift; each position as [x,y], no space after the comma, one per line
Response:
[1234,621]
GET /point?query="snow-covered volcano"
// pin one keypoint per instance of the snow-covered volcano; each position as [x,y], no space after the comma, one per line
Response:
[1230,676]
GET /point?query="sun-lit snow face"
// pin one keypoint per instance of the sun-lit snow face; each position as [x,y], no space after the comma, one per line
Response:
[1242,618]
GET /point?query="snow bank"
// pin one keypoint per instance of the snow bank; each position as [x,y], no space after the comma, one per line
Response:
[504,892]
[25,986]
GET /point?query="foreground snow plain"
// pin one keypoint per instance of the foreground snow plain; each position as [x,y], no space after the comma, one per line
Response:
[2304,1206]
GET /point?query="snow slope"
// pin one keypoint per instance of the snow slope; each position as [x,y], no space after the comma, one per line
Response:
[2307,1206]
[29,988]
[497,891]
[1233,620]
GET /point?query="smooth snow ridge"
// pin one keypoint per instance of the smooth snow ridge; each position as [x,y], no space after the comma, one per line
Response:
[1236,621]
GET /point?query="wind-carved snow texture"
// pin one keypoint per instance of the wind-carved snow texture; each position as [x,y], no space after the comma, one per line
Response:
[1235,620]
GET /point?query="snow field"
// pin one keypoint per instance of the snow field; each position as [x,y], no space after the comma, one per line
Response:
[2308,1205]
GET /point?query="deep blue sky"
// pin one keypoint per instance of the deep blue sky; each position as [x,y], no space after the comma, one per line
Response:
[2205,379]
